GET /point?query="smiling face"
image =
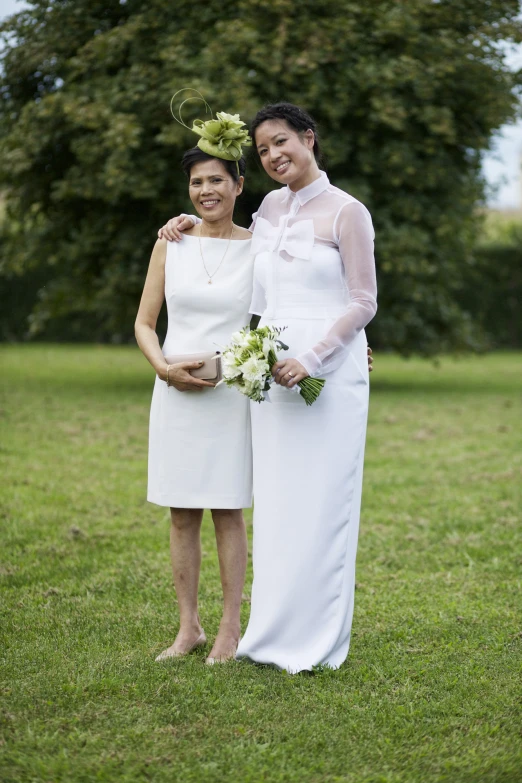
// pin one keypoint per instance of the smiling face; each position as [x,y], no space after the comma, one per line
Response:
[213,191]
[287,156]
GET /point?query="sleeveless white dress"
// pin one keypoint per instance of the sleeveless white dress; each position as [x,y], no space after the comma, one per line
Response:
[315,274]
[200,449]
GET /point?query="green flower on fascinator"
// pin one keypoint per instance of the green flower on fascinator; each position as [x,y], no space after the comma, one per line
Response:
[222,137]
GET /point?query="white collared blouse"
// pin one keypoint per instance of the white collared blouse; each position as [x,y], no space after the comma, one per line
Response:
[314,259]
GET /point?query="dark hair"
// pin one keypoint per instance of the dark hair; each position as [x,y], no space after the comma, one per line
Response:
[297,118]
[195,155]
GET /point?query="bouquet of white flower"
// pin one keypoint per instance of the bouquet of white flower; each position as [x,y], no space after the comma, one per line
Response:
[247,361]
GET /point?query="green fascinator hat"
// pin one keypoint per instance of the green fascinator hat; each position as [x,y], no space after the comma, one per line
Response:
[222,137]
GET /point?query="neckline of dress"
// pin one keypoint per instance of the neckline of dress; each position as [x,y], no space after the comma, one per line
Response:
[216,239]
[310,191]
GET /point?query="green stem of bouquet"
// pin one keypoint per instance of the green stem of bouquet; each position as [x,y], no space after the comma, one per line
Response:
[311,388]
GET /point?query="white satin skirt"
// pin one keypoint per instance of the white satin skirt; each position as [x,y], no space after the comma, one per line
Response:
[308,470]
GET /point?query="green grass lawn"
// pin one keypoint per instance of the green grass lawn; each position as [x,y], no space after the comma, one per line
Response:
[431,688]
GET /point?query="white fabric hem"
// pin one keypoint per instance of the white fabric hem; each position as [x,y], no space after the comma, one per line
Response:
[294,668]
[179,501]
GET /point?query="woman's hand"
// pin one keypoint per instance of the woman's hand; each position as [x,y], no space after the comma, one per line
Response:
[182,380]
[288,372]
[174,228]
[370,359]
[281,370]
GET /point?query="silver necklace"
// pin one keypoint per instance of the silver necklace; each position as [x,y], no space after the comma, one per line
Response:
[210,276]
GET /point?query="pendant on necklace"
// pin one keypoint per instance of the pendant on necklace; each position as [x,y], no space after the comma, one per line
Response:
[210,282]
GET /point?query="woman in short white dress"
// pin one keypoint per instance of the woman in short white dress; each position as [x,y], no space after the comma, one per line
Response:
[314,274]
[200,438]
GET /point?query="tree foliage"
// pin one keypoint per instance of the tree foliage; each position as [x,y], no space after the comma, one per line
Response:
[407,94]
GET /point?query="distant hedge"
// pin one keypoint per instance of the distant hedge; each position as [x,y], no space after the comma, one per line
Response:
[492,290]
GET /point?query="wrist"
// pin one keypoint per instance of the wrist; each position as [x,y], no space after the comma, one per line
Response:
[310,361]
[161,372]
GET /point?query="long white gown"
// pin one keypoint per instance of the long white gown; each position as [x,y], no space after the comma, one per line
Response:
[315,274]
[200,449]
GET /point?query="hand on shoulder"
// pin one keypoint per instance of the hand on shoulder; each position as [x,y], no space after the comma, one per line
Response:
[174,228]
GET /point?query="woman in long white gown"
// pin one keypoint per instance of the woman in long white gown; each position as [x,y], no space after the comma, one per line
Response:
[314,274]
[199,436]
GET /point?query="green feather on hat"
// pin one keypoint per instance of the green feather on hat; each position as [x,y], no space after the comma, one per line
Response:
[222,137]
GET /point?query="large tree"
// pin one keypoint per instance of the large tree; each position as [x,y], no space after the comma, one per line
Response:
[407,94]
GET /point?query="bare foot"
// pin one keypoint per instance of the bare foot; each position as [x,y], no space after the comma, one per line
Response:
[185,642]
[225,646]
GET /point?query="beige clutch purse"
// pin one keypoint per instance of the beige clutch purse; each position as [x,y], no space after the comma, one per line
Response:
[210,370]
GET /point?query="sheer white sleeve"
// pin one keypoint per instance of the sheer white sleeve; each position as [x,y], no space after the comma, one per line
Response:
[354,233]
[195,219]
[258,302]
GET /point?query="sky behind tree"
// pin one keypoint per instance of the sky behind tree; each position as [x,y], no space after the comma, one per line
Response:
[502,166]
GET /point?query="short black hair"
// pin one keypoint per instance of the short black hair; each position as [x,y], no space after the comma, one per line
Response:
[195,155]
[296,117]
